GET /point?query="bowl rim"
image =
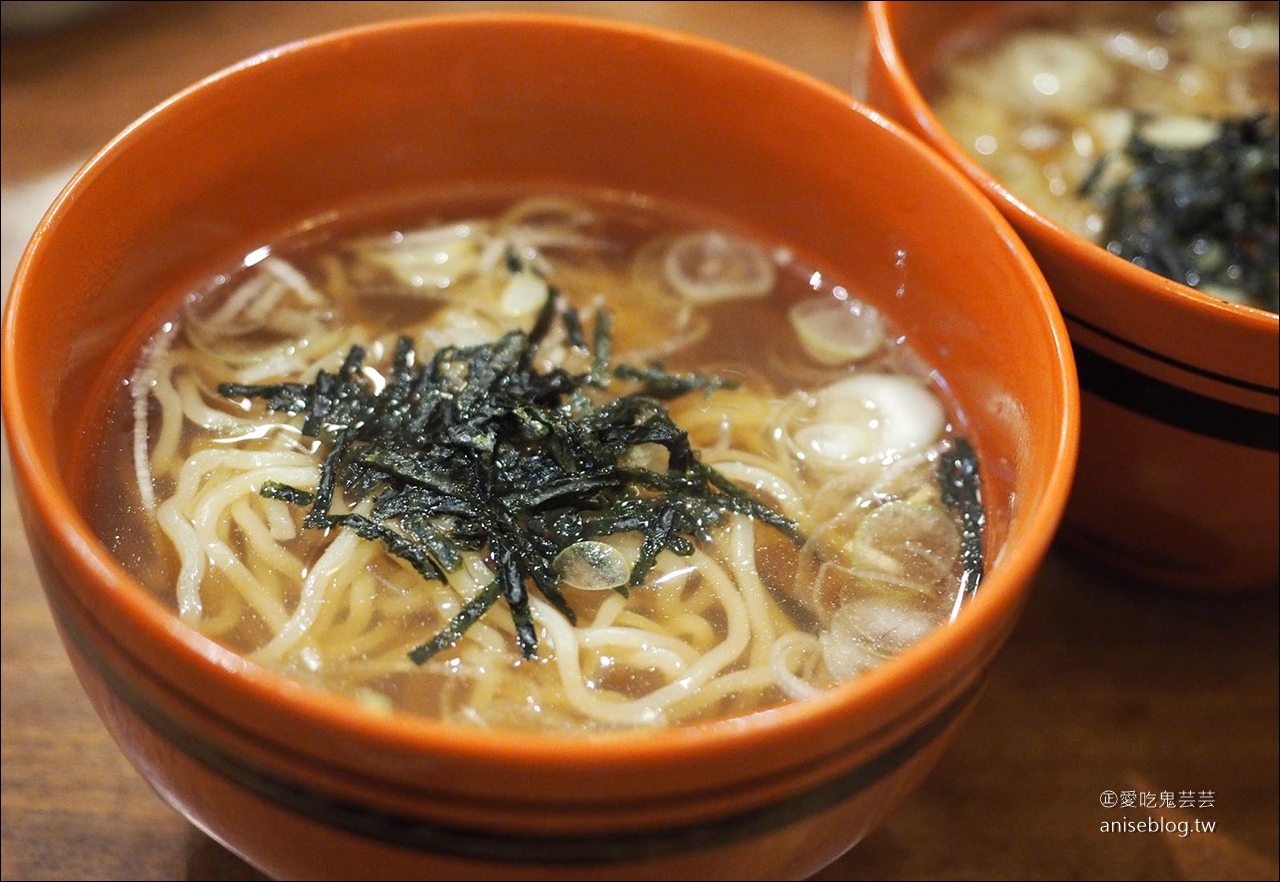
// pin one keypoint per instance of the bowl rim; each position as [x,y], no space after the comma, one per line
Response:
[84,557]
[1175,294]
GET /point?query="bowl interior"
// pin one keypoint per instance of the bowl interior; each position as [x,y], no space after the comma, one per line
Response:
[314,130]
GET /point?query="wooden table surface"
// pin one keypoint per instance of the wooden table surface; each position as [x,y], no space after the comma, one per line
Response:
[1105,686]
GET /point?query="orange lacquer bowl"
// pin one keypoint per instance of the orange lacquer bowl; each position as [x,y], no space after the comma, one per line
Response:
[305,784]
[1179,475]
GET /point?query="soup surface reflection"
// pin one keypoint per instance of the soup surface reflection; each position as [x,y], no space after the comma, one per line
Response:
[553,462]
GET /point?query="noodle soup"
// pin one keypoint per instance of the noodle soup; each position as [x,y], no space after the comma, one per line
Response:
[543,462]
[1147,128]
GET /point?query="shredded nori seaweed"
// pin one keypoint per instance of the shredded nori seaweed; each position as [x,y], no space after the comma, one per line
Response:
[1205,216]
[958,479]
[476,449]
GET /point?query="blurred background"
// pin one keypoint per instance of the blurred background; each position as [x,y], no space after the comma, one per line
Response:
[1104,686]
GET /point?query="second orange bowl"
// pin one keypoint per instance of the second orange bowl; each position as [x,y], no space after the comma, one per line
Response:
[1179,470]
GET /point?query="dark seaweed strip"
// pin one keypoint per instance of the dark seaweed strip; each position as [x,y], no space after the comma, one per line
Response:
[743,502]
[546,318]
[958,479]
[288,398]
[632,420]
[418,467]
[322,402]
[408,503]
[513,592]
[470,613]
[573,329]
[318,516]
[444,552]
[535,555]
[418,556]
[566,489]
[603,347]
[292,495]
[657,537]
[658,383]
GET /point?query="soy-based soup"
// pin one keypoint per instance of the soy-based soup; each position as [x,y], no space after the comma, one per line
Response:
[556,462]
[1148,128]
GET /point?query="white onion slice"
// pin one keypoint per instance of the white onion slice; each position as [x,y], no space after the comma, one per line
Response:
[913,540]
[524,295]
[868,630]
[710,266]
[836,332]
[1180,132]
[1052,73]
[871,416]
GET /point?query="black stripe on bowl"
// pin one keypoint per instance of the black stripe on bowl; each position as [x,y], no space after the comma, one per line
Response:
[1225,379]
[494,846]
[1174,406]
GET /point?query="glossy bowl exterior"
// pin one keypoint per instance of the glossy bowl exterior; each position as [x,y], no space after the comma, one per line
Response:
[304,784]
[1178,481]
